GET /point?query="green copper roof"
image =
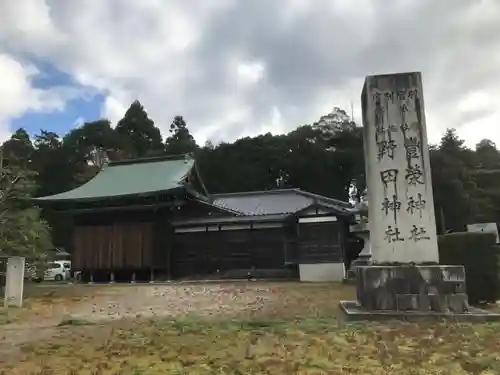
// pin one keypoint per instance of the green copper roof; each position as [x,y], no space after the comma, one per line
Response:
[132,177]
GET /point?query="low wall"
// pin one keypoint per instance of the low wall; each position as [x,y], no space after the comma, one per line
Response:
[322,272]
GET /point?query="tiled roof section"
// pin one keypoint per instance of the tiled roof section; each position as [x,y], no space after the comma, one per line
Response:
[272,202]
[131,177]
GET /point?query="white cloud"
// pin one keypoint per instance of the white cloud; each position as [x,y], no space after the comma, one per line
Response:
[79,121]
[18,96]
[26,20]
[275,125]
[235,67]
[113,109]
[475,100]
[485,127]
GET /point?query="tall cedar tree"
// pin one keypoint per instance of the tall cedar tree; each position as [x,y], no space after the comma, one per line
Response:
[180,140]
[139,136]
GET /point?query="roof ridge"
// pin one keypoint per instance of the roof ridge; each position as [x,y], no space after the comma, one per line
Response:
[255,192]
[322,197]
[287,190]
[210,203]
[152,159]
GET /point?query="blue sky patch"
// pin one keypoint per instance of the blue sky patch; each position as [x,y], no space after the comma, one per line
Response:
[60,122]
[50,76]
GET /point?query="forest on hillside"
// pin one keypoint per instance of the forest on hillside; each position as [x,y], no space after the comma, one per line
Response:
[325,157]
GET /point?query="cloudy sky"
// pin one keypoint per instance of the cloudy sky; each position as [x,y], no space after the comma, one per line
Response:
[238,67]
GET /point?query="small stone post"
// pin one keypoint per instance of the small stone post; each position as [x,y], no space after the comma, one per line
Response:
[14,282]
[132,281]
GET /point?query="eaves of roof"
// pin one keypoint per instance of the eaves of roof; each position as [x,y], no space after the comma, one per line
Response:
[140,177]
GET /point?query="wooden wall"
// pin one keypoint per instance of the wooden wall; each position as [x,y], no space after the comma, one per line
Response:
[203,253]
[320,242]
[146,240]
[130,240]
[113,246]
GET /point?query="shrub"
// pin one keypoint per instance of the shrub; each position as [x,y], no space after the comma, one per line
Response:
[477,253]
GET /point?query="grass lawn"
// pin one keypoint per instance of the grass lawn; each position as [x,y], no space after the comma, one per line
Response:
[292,329]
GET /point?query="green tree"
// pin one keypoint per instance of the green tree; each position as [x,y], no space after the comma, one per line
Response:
[22,230]
[138,135]
[90,147]
[324,158]
[487,155]
[18,149]
[453,185]
[327,158]
[180,140]
[486,175]
[90,138]
[247,164]
[56,170]
[52,163]
[209,145]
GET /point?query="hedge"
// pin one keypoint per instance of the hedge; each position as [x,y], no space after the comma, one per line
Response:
[477,253]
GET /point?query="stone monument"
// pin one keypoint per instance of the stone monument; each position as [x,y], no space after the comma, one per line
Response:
[405,275]
[14,281]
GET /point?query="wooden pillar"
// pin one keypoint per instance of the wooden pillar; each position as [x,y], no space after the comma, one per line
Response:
[167,246]
[171,245]
[151,276]
[284,239]
[251,243]
[343,231]
[298,247]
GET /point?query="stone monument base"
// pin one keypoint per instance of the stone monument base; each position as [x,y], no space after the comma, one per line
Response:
[407,290]
[361,260]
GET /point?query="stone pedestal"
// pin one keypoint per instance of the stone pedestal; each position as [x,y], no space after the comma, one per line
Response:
[14,282]
[361,231]
[364,257]
[412,292]
[422,288]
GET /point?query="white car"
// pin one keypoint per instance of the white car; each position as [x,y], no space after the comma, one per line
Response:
[58,270]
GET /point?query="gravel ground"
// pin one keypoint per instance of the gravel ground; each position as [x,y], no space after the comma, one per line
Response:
[147,301]
[47,307]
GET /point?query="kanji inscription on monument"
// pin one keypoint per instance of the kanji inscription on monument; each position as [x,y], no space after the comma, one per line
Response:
[402,225]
